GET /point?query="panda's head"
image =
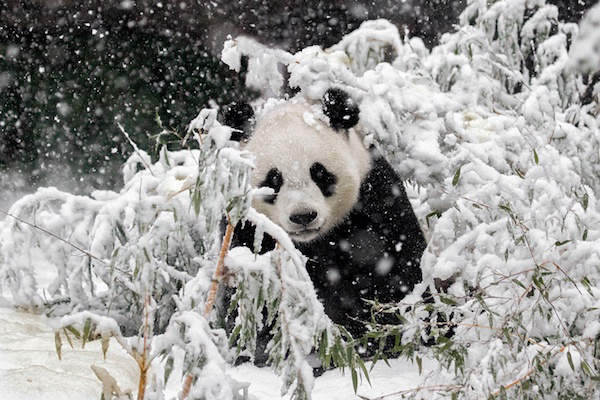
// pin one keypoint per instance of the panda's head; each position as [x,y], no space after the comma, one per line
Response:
[315,168]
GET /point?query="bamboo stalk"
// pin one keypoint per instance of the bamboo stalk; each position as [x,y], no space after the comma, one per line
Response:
[187,385]
[212,294]
[142,363]
[219,271]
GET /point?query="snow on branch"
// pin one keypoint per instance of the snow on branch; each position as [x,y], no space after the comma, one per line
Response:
[496,127]
[499,133]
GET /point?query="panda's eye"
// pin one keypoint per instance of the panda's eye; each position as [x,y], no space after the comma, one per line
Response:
[324,179]
[274,180]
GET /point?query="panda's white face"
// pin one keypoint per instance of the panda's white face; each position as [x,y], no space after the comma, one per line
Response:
[315,171]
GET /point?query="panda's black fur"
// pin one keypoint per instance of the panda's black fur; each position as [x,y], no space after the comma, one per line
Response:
[375,252]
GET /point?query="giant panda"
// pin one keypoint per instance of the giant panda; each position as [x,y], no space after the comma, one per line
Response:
[342,204]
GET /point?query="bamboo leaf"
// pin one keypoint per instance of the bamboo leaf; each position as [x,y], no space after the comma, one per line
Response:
[68,337]
[58,344]
[431,215]
[559,243]
[447,300]
[73,331]
[87,327]
[363,367]
[456,177]
[570,359]
[168,369]
[105,343]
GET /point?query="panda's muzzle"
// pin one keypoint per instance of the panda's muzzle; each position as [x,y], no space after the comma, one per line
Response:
[304,219]
[304,225]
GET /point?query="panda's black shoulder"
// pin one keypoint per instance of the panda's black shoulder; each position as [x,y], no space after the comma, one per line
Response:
[384,202]
[244,235]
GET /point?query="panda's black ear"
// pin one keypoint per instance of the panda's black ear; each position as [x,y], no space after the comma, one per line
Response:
[340,108]
[239,117]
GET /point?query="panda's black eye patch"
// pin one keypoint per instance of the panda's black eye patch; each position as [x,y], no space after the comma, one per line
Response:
[324,179]
[274,180]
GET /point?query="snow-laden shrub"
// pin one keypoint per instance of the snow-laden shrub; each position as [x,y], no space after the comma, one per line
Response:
[498,130]
[139,265]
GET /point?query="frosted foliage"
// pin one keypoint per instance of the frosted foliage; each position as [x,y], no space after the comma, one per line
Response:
[491,128]
[278,280]
[138,265]
[495,129]
[126,255]
[585,52]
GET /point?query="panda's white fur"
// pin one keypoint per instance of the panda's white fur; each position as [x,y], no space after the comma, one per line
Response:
[291,136]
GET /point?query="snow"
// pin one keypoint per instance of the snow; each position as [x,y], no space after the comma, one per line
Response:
[30,368]
[504,167]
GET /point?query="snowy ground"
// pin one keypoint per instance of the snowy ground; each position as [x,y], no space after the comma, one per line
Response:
[29,368]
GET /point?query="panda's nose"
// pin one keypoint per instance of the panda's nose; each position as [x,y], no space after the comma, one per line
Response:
[303,218]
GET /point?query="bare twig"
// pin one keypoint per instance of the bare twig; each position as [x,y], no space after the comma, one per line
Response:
[527,374]
[446,388]
[135,148]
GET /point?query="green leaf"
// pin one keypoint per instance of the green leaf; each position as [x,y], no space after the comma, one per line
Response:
[586,368]
[586,199]
[447,300]
[166,155]
[585,234]
[148,259]
[350,356]
[456,176]
[570,360]
[121,234]
[363,367]
[87,327]
[323,345]
[74,331]
[506,334]
[58,344]
[68,337]
[535,157]
[168,369]
[431,215]
[519,283]
[559,243]
[354,379]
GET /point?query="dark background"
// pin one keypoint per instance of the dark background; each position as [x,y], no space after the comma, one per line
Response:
[70,70]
